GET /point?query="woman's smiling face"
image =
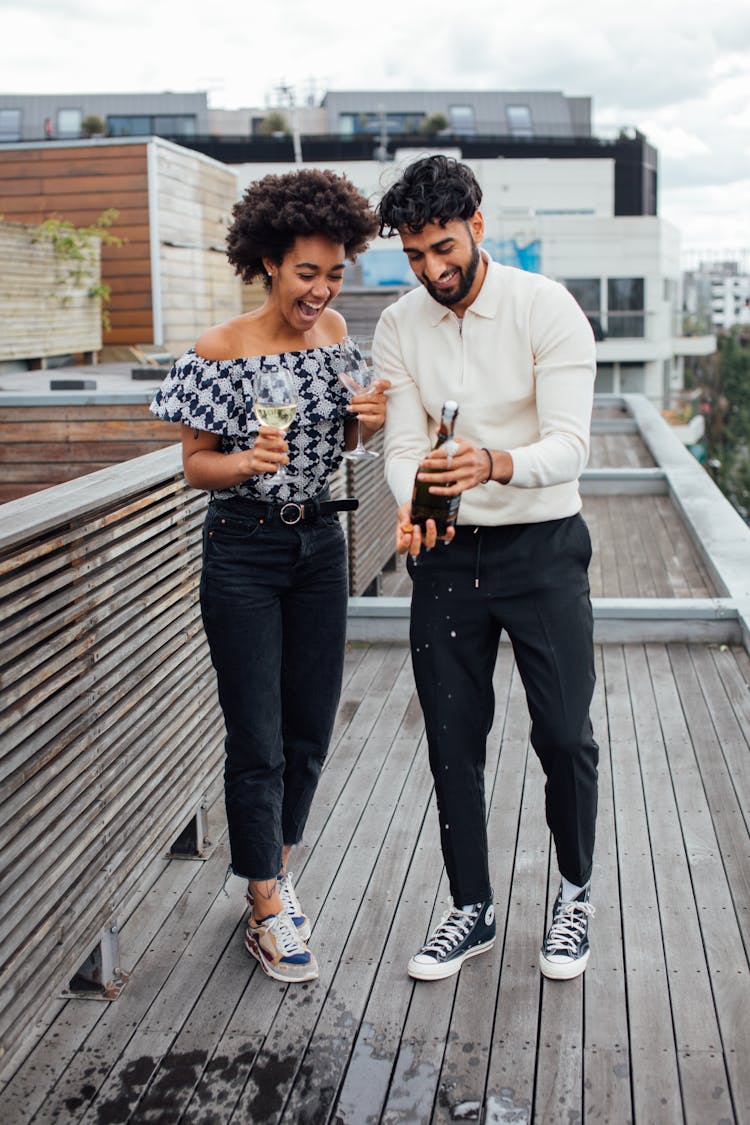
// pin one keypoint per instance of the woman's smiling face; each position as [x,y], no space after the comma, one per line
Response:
[309,277]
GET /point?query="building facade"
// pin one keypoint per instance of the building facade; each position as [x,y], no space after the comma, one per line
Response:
[39,117]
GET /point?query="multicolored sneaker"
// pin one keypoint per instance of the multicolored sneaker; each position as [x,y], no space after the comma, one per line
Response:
[291,905]
[565,952]
[275,943]
[461,934]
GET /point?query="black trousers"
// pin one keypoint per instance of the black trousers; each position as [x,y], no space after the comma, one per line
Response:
[274,600]
[532,581]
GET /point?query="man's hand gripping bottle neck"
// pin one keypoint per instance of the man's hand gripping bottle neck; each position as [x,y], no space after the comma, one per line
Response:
[425,504]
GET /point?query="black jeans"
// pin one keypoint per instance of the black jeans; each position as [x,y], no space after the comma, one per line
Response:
[274,600]
[532,581]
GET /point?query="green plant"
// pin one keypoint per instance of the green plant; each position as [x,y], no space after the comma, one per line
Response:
[433,124]
[724,382]
[93,126]
[73,248]
[273,122]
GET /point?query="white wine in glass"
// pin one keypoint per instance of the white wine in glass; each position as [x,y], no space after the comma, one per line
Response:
[275,402]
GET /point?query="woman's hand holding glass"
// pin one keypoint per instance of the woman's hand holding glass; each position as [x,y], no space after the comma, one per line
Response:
[368,402]
[275,405]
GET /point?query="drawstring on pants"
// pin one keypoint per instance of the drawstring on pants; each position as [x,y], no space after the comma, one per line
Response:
[478,533]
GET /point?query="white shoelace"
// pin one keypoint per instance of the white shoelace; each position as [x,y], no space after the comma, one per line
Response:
[286,934]
[568,927]
[453,928]
[288,894]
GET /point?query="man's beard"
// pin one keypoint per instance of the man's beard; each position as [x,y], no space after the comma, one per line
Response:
[468,276]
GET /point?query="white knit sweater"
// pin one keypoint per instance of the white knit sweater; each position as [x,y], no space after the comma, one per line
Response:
[521,365]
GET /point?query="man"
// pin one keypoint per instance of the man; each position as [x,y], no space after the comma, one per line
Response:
[517,354]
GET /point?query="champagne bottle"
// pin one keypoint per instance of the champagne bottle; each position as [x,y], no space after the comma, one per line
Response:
[425,504]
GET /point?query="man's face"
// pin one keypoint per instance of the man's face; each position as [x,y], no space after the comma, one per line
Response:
[447,261]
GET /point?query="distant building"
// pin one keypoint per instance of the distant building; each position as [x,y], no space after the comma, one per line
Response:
[34,117]
[720,292]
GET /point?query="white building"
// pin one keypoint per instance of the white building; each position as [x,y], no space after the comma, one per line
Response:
[721,290]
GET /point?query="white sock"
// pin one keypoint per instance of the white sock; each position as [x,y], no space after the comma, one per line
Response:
[570,890]
[470,907]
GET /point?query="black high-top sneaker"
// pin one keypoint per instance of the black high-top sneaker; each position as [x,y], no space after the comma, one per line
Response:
[461,934]
[565,951]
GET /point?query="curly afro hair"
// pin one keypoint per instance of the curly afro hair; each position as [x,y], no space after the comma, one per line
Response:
[435,189]
[276,210]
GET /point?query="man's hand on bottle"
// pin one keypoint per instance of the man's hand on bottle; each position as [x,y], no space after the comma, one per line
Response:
[463,467]
[411,538]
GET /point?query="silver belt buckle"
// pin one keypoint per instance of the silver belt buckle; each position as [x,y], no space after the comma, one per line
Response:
[297,512]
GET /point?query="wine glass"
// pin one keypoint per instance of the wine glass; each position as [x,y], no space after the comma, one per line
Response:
[275,403]
[357,376]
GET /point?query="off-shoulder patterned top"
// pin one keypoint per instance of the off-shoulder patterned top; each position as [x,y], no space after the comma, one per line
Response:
[217,396]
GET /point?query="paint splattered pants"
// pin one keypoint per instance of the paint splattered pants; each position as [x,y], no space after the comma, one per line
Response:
[532,581]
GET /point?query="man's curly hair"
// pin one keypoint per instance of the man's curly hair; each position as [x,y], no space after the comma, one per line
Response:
[434,189]
[276,210]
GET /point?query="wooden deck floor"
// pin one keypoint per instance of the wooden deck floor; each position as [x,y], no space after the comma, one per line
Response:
[656,1032]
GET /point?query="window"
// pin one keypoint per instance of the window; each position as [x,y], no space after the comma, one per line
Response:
[519,120]
[461,120]
[129,126]
[587,291]
[174,125]
[69,122]
[625,307]
[632,378]
[10,124]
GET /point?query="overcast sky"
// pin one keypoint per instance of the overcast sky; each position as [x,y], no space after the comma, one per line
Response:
[679,70]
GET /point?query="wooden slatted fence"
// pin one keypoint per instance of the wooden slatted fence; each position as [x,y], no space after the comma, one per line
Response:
[111,733]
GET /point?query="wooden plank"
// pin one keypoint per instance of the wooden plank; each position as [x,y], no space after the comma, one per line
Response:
[75,431]
[656,1088]
[606,1061]
[704,1088]
[708,831]
[89,455]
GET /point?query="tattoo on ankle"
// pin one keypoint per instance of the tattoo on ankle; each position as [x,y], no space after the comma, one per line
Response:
[265,890]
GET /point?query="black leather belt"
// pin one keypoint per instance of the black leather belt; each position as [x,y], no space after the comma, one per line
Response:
[291,512]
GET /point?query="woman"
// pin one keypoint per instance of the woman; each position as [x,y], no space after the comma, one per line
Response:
[274,580]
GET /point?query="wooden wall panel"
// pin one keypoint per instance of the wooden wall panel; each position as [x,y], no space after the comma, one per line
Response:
[43,310]
[78,184]
[48,443]
[195,199]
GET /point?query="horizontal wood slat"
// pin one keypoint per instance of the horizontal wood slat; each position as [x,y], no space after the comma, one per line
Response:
[111,727]
[45,443]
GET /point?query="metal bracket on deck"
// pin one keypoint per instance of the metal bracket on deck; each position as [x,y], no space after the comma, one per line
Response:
[193,842]
[100,976]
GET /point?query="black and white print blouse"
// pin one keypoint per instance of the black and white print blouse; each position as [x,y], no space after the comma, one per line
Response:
[217,396]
